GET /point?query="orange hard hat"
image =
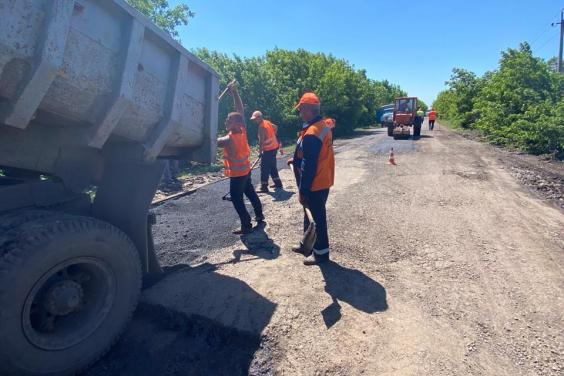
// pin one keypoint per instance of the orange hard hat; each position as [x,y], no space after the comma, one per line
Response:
[308,98]
[330,123]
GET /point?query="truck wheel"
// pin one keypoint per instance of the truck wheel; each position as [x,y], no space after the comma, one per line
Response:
[14,219]
[68,285]
[390,130]
[417,131]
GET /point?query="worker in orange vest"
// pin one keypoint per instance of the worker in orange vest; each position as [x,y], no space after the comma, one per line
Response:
[237,165]
[432,118]
[314,165]
[269,145]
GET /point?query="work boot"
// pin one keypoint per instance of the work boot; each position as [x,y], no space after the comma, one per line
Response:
[263,188]
[277,184]
[314,259]
[299,249]
[244,230]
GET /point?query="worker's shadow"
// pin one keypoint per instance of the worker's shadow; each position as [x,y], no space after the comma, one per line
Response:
[258,244]
[353,287]
[279,194]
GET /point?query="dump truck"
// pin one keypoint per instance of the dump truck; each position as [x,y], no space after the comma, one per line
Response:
[93,99]
[384,115]
[405,110]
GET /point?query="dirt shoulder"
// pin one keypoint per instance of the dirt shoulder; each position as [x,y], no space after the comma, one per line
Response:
[542,174]
[444,264]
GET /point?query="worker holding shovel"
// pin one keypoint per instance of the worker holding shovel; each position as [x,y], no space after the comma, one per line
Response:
[314,166]
[237,165]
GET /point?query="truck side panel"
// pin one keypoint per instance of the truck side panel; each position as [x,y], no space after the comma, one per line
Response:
[102,68]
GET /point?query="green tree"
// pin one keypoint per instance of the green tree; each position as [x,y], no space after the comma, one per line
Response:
[519,105]
[521,83]
[273,84]
[165,17]
[422,105]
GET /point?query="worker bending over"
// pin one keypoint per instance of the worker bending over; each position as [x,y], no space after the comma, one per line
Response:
[269,145]
[237,165]
[314,165]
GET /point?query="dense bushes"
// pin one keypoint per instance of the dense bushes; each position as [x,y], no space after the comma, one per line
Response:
[520,105]
[273,84]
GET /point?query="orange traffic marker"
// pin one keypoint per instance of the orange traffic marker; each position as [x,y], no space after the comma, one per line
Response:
[391,160]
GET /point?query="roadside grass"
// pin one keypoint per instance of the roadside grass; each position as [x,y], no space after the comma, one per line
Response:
[476,135]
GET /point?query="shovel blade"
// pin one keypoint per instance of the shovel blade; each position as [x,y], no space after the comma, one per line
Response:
[310,236]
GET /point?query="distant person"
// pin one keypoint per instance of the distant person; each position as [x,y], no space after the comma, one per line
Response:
[417,121]
[170,171]
[269,145]
[420,113]
[237,165]
[432,118]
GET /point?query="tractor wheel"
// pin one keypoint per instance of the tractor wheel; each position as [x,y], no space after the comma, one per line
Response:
[68,286]
[417,131]
[390,130]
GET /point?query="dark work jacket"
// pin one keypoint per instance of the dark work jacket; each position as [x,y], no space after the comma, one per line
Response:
[306,157]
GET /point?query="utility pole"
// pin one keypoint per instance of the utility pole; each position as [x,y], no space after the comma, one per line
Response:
[561,23]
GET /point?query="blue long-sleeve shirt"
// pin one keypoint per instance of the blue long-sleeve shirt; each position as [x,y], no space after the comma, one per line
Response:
[306,157]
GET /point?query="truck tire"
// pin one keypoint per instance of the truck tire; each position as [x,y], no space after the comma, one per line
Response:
[68,286]
[416,131]
[390,130]
[14,219]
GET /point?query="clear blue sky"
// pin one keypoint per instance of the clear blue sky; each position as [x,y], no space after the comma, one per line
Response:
[411,43]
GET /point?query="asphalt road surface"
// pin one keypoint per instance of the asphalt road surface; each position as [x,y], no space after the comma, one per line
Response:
[441,265]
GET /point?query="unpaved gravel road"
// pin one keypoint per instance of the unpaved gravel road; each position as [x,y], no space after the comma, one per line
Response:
[442,265]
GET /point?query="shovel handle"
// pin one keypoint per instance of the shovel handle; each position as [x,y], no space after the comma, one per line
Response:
[255,162]
[225,90]
[225,198]
[309,215]
[306,209]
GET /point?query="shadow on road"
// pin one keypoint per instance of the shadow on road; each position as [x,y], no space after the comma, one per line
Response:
[259,244]
[194,322]
[280,195]
[353,287]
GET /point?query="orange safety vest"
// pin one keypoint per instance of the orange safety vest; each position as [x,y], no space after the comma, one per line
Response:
[270,142]
[325,173]
[432,115]
[330,123]
[236,155]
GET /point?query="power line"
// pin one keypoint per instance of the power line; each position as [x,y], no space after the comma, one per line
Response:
[546,42]
[543,33]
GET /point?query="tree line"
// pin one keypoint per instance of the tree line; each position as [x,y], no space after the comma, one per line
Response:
[519,105]
[273,83]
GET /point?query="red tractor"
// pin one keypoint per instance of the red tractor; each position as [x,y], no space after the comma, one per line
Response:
[405,111]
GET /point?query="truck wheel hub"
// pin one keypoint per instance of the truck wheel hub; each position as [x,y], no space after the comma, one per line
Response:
[64,297]
[68,303]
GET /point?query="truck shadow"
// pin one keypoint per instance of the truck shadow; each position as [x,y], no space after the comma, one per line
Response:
[353,287]
[193,322]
